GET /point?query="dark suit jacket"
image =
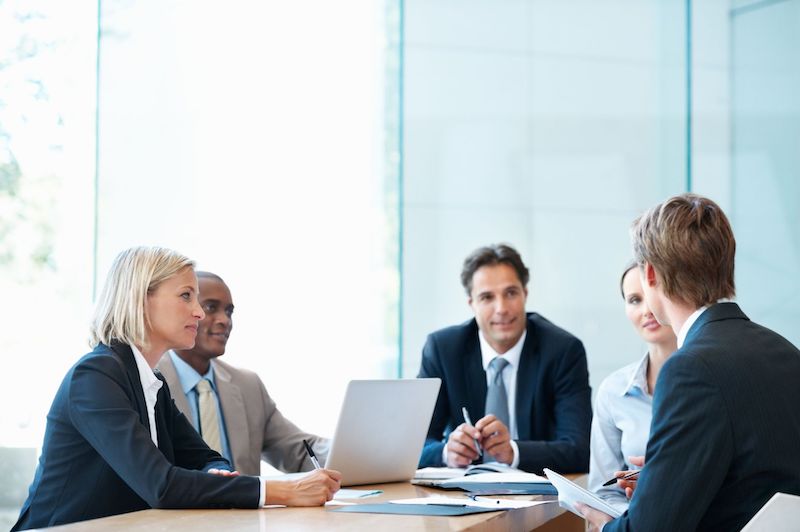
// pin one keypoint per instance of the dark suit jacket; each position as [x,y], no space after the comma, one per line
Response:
[725,434]
[98,458]
[553,402]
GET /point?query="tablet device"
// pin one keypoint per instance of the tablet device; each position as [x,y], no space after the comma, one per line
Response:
[381,429]
[569,493]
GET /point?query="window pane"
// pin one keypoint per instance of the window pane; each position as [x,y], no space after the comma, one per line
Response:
[255,139]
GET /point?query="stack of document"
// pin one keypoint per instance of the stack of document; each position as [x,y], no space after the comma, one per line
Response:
[476,502]
[485,478]
[445,506]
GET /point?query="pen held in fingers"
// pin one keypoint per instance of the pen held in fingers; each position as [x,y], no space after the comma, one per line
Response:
[468,421]
[627,476]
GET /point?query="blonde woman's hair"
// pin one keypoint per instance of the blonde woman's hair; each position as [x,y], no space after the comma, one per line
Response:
[120,311]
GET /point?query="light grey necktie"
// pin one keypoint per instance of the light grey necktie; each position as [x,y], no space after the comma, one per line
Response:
[496,398]
[209,415]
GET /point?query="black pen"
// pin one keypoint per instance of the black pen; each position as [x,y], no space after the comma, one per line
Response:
[311,455]
[626,476]
[469,422]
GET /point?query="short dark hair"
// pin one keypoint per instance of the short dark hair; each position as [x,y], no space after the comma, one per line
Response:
[490,256]
[209,275]
[689,242]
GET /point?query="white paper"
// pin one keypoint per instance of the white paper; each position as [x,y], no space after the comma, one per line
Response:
[355,494]
[439,472]
[337,502]
[570,493]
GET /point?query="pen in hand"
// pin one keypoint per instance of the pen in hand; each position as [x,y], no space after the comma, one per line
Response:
[311,455]
[468,421]
[626,476]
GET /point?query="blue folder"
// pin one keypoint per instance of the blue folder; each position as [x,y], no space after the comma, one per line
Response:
[511,488]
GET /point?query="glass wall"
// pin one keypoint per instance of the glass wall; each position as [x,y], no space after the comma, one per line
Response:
[548,125]
[765,176]
[267,141]
[552,125]
[47,153]
[256,139]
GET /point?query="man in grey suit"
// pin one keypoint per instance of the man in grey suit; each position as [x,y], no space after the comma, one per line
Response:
[725,435]
[250,426]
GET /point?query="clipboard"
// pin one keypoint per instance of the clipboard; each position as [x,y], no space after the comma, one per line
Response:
[569,493]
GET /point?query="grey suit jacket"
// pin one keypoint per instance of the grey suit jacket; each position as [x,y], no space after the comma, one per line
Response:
[255,427]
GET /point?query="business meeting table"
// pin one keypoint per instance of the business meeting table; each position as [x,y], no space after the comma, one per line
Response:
[547,517]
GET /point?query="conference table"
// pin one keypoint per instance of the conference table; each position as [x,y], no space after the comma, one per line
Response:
[549,517]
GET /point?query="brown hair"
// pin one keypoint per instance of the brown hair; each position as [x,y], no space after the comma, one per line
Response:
[689,242]
[490,256]
[631,264]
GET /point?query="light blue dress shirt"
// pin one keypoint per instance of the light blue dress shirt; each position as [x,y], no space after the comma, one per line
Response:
[623,410]
[189,378]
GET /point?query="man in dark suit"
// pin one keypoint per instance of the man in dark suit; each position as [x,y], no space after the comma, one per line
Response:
[725,434]
[522,378]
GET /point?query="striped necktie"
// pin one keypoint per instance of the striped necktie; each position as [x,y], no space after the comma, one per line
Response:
[496,397]
[209,415]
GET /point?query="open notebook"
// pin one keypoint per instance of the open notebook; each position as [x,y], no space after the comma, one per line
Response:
[493,473]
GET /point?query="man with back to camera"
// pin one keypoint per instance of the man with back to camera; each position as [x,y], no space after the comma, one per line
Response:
[725,434]
[522,380]
[249,425]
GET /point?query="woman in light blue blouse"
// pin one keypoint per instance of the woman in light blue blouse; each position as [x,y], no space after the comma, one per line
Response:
[623,406]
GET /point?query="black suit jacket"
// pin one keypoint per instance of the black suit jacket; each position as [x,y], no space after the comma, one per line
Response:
[553,398]
[725,434]
[98,458]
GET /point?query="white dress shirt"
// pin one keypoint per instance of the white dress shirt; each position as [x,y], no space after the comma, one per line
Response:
[623,410]
[509,375]
[150,387]
[689,322]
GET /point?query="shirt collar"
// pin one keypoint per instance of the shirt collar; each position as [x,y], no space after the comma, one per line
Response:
[688,325]
[188,376]
[638,378]
[146,375]
[512,355]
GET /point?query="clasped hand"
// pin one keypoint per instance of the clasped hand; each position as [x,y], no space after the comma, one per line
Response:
[491,434]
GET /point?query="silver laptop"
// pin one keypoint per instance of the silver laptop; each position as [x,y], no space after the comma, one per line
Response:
[381,429]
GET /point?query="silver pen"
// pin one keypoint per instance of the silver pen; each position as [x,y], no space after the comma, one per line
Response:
[311,455]
[468,421]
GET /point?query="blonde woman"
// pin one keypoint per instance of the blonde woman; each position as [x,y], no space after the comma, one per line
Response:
[623,407]
[114,441]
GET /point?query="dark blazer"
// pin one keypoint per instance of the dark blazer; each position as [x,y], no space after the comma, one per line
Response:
[98,458]
[725,434]
[553,402]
